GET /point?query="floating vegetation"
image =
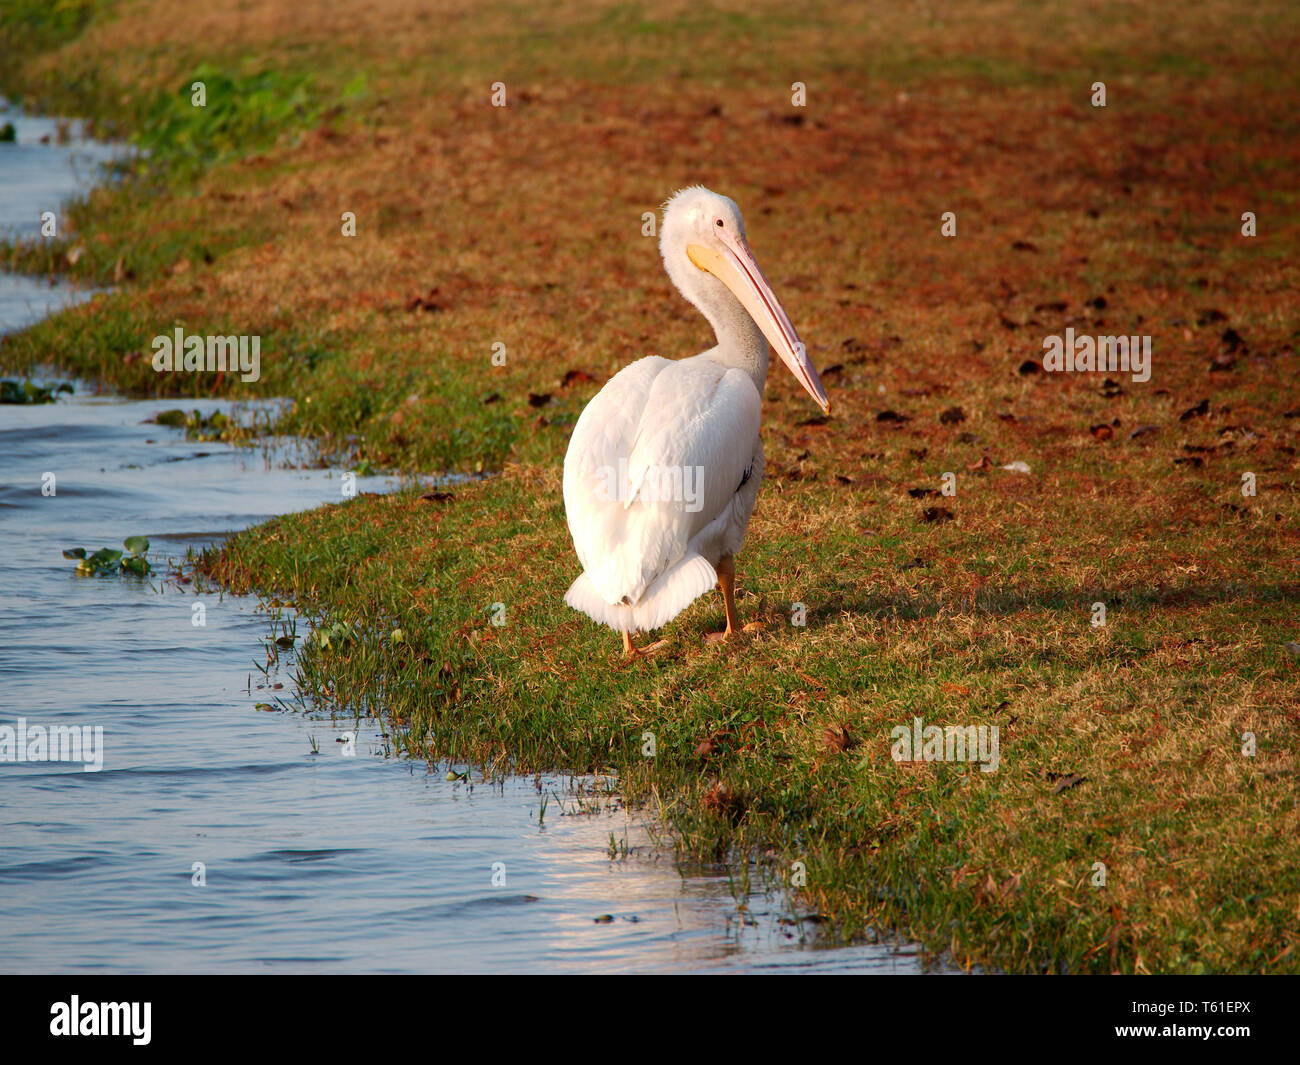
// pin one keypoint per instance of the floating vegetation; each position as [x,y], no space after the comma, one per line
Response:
[109,560]
[13,391]
[216,426]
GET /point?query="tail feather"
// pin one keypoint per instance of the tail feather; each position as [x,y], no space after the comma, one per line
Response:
[671,593]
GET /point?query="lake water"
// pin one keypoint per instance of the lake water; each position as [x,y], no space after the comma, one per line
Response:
[312,860]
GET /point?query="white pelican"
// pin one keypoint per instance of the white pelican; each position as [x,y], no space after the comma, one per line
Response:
[663,467]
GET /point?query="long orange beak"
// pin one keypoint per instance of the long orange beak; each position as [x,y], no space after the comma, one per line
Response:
[736,268]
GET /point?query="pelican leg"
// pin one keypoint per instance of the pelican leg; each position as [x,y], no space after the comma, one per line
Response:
[727,583]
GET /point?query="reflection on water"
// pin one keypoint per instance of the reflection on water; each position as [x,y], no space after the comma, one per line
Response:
[312,860]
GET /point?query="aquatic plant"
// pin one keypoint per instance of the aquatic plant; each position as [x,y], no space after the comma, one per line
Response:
[110,560]
[23,392]
[216,426]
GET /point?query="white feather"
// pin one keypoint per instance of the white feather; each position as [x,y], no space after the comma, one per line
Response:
[671,593]
[646,557]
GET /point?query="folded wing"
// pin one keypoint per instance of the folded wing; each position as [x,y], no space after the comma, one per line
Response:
[655,458]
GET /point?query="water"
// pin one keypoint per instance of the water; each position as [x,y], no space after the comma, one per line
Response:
[47,164]
[313,862]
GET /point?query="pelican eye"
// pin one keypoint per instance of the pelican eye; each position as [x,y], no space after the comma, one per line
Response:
[719,223]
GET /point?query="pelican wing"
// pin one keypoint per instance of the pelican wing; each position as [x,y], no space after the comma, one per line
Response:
[655,458]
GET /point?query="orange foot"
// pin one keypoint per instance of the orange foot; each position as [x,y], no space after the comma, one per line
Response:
[632,651]
[723,637]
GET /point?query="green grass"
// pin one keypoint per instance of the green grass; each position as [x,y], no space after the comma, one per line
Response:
[40,25]
[993,867]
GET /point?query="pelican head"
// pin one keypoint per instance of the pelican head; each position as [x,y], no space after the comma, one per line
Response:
[703,244]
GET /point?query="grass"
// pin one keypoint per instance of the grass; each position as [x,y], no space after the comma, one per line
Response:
[522,227]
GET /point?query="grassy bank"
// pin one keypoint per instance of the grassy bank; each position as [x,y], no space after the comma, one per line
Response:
[521,226]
